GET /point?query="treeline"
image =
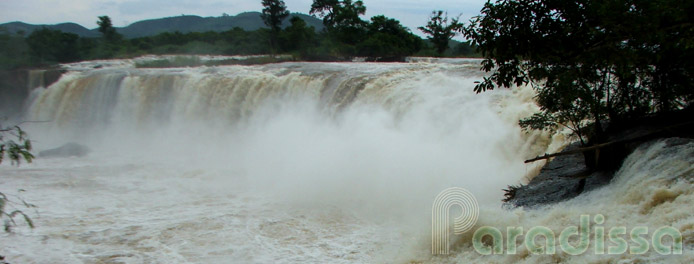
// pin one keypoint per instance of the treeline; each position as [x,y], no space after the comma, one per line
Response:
[346,36]
[591,63]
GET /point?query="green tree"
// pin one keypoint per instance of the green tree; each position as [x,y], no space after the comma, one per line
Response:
[464,49]
[274,12]
[440,31]
[51,46]
[342,19]
[298,36]
[589,60]
[106,28]
[388,40]
[337,13]
[14,51]
[326,9]
[112,44]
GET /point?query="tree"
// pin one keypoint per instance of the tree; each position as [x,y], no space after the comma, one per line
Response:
[50,46]
[341,19]
[274,12]
[388,40]
[112,43]
[14,53]
[298,36]
[106,28]
[440,31]
[326,9]
[589,60]
[464,49]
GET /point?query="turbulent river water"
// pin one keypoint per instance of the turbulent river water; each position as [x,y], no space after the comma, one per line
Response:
[303,163]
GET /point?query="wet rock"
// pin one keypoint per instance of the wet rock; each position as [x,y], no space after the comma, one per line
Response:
[68,150]
[568,176]
[16,85]
[563,178]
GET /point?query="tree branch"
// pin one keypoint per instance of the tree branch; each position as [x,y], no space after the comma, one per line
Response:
[607,144]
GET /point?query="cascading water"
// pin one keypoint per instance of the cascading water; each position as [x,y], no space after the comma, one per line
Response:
[294,162]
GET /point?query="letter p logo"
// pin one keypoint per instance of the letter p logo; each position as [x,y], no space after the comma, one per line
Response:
[440,214]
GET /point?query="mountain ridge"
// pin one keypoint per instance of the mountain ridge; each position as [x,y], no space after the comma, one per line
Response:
[248,21]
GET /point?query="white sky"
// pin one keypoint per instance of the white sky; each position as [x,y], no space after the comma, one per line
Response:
[411,13]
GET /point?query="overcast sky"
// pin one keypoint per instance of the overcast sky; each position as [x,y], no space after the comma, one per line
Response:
[412,13]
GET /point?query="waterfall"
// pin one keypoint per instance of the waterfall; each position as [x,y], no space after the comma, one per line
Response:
[232,94]
[303,162]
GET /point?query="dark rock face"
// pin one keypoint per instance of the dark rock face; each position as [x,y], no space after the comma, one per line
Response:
[67,150]
[563,178]
[15,86]
[568,176]
[13,92]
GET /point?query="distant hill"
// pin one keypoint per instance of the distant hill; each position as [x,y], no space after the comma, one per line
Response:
[15,27]
[248,21]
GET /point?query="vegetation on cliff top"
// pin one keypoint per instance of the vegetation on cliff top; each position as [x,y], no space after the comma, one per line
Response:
[625,64]
[345,35]
[590,61]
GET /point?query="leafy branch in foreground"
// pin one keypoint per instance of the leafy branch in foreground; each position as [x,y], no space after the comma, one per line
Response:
[15,144]
[15,150]
[10,214]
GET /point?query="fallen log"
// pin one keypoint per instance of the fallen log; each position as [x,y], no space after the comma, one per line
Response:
[607,144]
[578,150]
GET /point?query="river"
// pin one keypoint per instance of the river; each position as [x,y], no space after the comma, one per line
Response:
[302,163]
